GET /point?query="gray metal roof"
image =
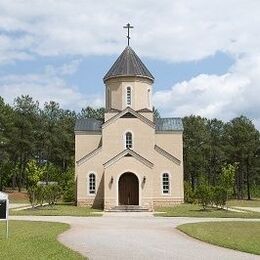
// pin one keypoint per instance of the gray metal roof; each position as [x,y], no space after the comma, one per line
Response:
[128,64]
[161,124]
[88,124]
[168,124]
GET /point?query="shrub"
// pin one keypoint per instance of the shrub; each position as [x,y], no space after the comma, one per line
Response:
[255,190]
[219,196]
[70,192]
[52,193]
[204,194]
[40,194]
[31,191]
[188,192]
[34,173]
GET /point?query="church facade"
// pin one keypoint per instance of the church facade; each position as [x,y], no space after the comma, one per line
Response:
[132,158]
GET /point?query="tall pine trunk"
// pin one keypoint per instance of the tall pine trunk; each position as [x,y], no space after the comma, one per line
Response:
[1,184]
[248,179]
[192,182]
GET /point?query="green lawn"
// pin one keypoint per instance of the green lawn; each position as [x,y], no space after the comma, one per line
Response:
[58,210]
[193,210]
[244,203]
[34,240]
[242,236]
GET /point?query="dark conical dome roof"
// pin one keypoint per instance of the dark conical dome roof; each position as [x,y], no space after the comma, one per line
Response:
[128,64]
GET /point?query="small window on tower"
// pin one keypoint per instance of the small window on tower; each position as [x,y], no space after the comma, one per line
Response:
[128,140]
[108,98]
[128,96]
[149,97]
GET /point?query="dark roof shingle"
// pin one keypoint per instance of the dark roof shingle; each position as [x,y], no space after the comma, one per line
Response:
[161,124]
[88,124]
[168,124]
[128,64]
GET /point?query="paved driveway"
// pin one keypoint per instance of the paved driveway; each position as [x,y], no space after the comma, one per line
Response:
[119,236]
[18,205]
[256,209]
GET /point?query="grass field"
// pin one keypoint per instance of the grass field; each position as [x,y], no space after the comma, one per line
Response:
[34,240]
[244,203]
[242,236]
[57,210]
[193,210]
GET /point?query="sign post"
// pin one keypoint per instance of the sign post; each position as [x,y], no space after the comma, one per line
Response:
[4,213]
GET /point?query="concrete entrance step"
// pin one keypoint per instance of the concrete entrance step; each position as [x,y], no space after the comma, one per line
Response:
[128,208]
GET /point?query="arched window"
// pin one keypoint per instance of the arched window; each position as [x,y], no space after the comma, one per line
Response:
[165,183]
[92,183]
[128,140]
[108,98]
[128,96]
[149,97]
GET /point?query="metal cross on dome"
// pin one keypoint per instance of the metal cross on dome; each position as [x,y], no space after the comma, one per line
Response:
[128,27]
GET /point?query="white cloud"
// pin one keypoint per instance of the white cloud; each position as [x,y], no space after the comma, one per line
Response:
[173,31]
[170,30]
[47,86]
[225,96]
[65,69]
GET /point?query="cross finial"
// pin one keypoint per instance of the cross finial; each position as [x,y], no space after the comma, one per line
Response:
[128,27]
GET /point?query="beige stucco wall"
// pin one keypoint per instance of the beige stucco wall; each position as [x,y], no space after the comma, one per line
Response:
[93,165]
[148,115]
[109,115]
[139,86]
[172,142]
[175,171]
[86,142]
[128,164]
[114,134]
[112,144]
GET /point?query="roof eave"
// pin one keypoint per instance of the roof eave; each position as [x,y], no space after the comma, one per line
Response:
[125,76]
[169,131]
[88,132]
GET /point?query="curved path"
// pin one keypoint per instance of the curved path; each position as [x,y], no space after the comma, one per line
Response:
[137,236]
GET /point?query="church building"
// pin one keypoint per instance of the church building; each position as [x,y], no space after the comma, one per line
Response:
[132,160]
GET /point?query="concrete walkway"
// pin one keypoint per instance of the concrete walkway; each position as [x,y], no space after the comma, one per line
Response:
[18,205]
[256,209]
[137,236]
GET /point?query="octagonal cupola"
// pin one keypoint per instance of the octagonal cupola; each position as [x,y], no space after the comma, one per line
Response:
[128,64]
[128,83]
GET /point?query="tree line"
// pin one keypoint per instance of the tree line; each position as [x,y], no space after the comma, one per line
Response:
[210,144]
[46,135]
[29,132]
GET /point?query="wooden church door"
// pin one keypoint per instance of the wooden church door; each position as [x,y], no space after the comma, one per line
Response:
[128,189]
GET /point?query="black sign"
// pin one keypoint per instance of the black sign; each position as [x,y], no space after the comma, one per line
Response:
[3,209]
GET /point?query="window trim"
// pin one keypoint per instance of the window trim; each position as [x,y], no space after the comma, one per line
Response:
[88,183]
[131,96]
[108,98]
[124,139]
[149,97]
[170,184]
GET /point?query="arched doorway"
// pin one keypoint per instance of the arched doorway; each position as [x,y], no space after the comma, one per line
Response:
[128,187]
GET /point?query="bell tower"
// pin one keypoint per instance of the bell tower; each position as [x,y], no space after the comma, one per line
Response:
[128,83]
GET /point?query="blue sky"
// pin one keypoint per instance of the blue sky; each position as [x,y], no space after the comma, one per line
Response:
[90,71]
[204,55]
